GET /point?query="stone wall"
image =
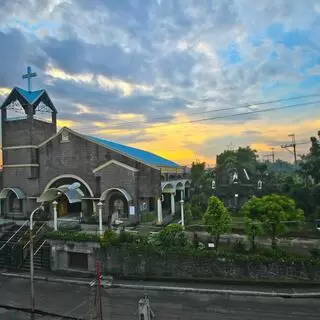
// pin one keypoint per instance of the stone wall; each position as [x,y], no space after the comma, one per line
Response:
[120,262]
[123,263]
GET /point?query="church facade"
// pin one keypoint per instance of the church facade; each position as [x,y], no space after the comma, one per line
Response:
[126,181]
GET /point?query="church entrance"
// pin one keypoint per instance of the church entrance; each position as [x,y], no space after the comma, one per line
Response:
[73,204]
[65,208]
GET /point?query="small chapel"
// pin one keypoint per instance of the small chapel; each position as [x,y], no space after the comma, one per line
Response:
[127,182]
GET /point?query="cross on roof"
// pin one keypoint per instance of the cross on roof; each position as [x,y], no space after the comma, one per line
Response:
[28,76]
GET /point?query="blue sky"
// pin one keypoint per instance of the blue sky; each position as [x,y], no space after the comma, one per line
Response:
[124,70]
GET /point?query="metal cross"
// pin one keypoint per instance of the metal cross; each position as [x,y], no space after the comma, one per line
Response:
[28,76]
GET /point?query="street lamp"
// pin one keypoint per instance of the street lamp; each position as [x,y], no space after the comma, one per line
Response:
[31,255]
[48,196]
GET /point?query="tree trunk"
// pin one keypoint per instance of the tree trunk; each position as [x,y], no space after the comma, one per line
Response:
[216,241]
[274,244]
[253,245]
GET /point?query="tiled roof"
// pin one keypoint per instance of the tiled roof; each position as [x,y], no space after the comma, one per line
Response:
[31,96]
[138,154]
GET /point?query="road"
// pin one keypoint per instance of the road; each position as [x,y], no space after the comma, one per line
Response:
[72,300]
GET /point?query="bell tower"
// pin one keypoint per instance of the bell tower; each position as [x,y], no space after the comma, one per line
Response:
[27,118]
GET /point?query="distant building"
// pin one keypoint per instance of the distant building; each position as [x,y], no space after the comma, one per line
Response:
[36,158]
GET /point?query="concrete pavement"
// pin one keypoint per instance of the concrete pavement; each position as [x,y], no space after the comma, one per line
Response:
[118,303]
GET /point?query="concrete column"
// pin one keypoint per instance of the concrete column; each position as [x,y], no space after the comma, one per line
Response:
[182,213]
[182,194]
[55,215]
[159,210]
[100,206]
[173,204]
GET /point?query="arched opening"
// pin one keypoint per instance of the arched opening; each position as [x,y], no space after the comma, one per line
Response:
[187,190]
[72,204]
[180,191]
[116,208]
[12,201]
[118,205]
[167,190]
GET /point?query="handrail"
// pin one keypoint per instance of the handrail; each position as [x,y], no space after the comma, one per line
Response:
[34,235]
[44,241]
[14,235]
[18,242]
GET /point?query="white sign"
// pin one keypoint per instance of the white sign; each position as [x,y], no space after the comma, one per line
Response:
[132,211]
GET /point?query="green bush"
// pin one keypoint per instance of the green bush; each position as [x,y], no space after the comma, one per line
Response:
[72,236]
[171,236]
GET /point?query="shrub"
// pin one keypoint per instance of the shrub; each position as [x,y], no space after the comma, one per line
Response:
[72,236]
[171,236]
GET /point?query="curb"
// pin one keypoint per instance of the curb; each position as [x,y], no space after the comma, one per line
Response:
[106,285]
[47,279]
[271,294]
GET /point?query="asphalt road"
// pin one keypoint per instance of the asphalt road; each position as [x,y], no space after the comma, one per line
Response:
[72,300]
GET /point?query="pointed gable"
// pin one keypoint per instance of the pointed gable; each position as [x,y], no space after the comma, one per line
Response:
[32,98]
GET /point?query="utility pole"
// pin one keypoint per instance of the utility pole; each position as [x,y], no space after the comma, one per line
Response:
[95,299]
[291,145]
[272,155]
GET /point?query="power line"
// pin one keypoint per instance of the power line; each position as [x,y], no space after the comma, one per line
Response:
[247,105]
[223,116]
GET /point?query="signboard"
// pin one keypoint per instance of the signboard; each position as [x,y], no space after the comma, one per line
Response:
[132,211]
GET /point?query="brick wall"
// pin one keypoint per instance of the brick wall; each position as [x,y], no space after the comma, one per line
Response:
[80,156]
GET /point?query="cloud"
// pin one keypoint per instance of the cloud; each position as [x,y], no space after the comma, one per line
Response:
[124,67]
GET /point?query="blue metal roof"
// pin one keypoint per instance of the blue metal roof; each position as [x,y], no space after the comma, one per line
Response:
[30,96]
[138,154]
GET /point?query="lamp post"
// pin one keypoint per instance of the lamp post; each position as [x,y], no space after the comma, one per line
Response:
[31,256]
[46,197]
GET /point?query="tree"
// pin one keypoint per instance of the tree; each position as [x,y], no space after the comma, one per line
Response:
[201,180]
[252,211]
[275,213]
[217,219]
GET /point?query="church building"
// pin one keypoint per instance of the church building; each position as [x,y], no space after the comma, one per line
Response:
[127,182]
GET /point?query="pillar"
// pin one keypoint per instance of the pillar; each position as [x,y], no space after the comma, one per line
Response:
[100,205]
[182,194]
[173,204]
[182,213]
[159,210]
[55,216]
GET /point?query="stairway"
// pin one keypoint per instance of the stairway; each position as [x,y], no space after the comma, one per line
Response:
[41,257]
[11,251]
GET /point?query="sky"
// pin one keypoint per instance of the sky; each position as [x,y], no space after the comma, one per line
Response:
[139,72]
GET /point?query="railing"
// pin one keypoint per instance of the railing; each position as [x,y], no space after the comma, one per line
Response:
[34,235]
[13,235]
[20,239]
[40,247]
